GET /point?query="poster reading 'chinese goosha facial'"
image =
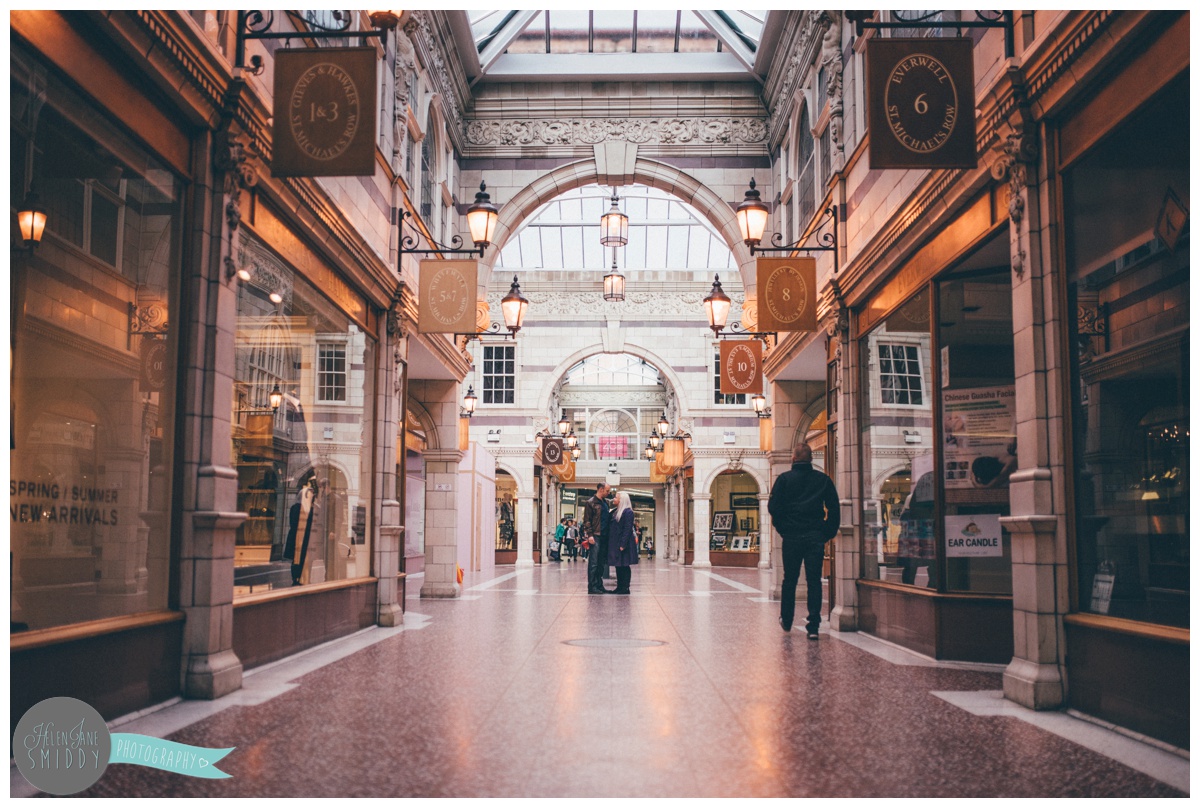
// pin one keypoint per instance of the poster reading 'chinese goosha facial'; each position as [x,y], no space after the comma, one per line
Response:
[979,439]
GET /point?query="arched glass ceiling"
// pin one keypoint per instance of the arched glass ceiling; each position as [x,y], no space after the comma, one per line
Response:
[664,233]
[614,370]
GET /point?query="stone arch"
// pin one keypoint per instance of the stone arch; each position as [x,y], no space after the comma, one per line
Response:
[523,479]
[810,414]
[763,488]
[653,173]
[879,479]
[428,425]
[664,367]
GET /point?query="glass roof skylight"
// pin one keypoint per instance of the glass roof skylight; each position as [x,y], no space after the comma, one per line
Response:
[653,31]
[664,234]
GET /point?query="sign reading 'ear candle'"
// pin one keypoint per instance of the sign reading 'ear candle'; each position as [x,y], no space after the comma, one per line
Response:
[741,366]
[921,103]
[324,112]
[787,294]
[447,302]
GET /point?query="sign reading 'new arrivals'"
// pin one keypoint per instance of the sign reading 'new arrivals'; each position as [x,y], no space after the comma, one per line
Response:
[324,112]
[921,103]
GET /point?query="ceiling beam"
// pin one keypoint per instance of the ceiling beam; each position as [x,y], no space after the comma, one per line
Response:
[505,37]
[729,38]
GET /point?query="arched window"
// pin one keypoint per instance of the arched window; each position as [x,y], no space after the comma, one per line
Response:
[806,186]
[614,369]
[664,233]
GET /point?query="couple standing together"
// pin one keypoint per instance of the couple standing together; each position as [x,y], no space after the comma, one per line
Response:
[613,540]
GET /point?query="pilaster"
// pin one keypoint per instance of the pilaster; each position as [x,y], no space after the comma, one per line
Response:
[702,502]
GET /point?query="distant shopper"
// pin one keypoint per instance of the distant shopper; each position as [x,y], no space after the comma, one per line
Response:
[804,511]
[623,543]
[596,519]
[571,540]
[556,545]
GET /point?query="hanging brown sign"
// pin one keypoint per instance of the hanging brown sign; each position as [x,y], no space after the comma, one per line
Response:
[787,294]
[921,103]
[324,112]
[552,451]
[741,366]
[447,302]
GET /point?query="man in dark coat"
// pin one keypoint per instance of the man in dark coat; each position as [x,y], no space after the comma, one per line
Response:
[804,511]
[595,526]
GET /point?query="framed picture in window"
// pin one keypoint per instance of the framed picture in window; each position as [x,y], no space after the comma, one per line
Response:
[723,522]
[718,541]
[745,501]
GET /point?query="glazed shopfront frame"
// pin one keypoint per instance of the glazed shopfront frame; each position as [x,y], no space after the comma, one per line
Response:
[936,441]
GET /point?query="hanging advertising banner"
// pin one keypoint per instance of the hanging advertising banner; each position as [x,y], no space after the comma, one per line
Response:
[979,438]
[974,536]
[787,294]
[656,475]
[921,103]
[741,366]
[565,473]
[447,302]
[324,124]
[552,451]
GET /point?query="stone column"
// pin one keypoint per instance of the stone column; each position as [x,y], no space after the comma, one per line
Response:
[667,549]
[702,503]
[847,548]
[525,500]
[1040,572]
[388,539]
[552,514]
[210,516]
[764,531]
[780,461]
[441,523]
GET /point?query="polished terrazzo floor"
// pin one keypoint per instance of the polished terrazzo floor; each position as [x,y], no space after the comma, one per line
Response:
[528,687]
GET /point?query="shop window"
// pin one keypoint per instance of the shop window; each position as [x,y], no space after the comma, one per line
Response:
[304,471]
[978,444]
[718,396]
[499,374]
[900,378]
[897,446]
[331,372]
[94,341]
[506,511]
[613,435]
[1128,297]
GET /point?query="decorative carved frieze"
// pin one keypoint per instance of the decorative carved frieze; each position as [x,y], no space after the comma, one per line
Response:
[421,28]
[831,63]
[802,55]
[589,131]
[593,398]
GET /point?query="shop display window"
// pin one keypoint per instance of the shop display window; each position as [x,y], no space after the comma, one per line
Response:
[978,442]
[1127,292]
[897,446]
[302,423]
[95,325]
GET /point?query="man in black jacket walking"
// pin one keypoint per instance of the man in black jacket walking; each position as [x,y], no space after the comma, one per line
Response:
[804,511]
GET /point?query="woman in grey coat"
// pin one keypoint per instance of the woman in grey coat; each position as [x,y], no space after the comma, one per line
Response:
[622,543]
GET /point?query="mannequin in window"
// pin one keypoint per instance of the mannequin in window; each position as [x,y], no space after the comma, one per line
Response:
[301,512]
